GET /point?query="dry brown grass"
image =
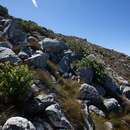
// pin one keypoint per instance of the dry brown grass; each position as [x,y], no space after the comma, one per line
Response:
[74,113]
[42,76]
[35,45]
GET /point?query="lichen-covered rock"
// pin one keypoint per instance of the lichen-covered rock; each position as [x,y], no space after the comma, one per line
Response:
[88,92]
[40,103]
[18,123]
[7,54]
[112,104]
[57,118]
[13,31]
[94,109]
[38,60]
[64,64]
[86,74]
[53,45]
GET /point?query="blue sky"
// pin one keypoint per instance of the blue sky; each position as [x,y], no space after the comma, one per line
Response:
[103,22]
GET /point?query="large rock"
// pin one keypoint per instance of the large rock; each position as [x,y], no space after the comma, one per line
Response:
[18,123]
[94,109]
[112,104]
[6,44]
[13,31]
[111,86]
[7,54]
[88,92]
[86,74]
[57,118]
[53,45]
[64,64]
[38,60]
[40,103]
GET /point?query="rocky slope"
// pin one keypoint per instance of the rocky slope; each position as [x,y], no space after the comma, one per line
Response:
[76,85]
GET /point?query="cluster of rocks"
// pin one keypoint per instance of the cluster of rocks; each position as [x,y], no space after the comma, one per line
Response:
[46,112]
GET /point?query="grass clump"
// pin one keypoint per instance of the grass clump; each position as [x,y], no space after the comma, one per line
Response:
[15,81]
[42,76]
[74,113]
[98,68]
[78,47]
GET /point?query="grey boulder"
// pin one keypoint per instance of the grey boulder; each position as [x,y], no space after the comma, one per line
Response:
[18,123]
[53,45]
[86,74]
[88,92]
[97,111]
[64,64]
[7,54]
[40,103]
[38,60]
[111,85]
[112,104]
[57,118]
[13,31]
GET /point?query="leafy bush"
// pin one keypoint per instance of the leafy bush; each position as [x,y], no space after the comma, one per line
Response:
[3,11]
[77,47]
[29,27]
[97,66]
[15,81]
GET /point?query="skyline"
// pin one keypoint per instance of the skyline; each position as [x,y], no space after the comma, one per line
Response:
[102,22]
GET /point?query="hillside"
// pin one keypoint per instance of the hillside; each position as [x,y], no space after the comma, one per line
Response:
[50,81]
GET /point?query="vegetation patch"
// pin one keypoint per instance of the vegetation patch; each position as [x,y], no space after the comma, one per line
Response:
[15,81]
[98,68]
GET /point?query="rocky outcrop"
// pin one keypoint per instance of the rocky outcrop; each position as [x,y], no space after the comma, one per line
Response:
[18,123]
[7,54]
[13,31]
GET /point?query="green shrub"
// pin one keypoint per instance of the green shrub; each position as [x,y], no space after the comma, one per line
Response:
[98,68]
[3,11]
[15,81]
[77,47]
[29,27]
